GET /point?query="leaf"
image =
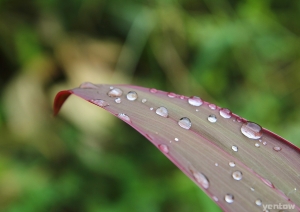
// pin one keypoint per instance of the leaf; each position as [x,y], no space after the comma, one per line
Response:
[240,165]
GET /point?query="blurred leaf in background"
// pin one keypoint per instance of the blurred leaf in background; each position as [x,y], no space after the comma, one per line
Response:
[243,55]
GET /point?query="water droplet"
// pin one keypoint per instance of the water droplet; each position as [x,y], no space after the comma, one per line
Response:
[185,123]
[215,198]
[116,92]
[151,108]
[212,118]
[172,95]
[239,119]
[111,87]
[216,164]
[197,110]
[258,202]
[87,85]
[132,95]
[267,182]
[153,90]
[118,100]
[225,113]
[252,189]
[212,106]
[277,148]
[195,101]
[234,148]
[232,164]
[257,145]
[229,198]
[124,117]
[259,140]
[99,102]
[162,111]
[237,175]
[176,139]
[201,179]
[182,97]
[164,148]
[144,100]
[264,143]
[251,130]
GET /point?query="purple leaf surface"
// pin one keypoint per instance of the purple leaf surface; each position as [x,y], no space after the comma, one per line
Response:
[240,165]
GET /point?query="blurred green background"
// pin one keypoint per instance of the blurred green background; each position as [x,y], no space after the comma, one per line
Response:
[243,55]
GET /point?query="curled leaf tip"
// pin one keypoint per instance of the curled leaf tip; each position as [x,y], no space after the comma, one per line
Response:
[59,100]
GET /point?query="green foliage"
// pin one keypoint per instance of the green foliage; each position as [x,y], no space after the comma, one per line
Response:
[243,55]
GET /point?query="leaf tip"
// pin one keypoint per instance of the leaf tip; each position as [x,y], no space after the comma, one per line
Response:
[59,100]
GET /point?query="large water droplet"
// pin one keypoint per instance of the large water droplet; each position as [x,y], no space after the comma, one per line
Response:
[229,198]
[195,101]
[87,85]
[162,111]
[124,117]
[251,130]
[172,95]
[234,148]
[201,179]
[164,148]
[132,95]
[99,102]
[237,175]
[232,164]
[277,148]
[116,92]
[118,100]
[185,123]
[144,100]
[212,118]
[258,202]
[153,90]
[225,113]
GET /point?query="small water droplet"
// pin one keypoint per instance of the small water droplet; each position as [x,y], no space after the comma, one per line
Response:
[234,148]
[277,148]
[172,95]
[215,198]
[212,118]
[216,164]
[132,95]
[195,101]
[251,130]
[257,145]
[99,102]
[229,198]
[259,140]
[151,108]
[264,143]
[232,164]
[252,189]
[162,111]
[87,85]
[153,90]
[118,100]
[201,179]
[144,100]
[212,106]
[237,175]
[182,97]
[258,202]
[197,110]
[115,92]
[164,148]
[124,117]
[176,139]
[267,182]
[185,123]
[239,119]
[111,87]
[225,113]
